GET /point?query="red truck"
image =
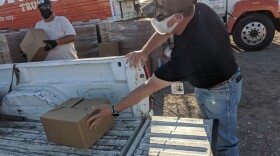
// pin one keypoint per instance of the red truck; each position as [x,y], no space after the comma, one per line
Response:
[252,23]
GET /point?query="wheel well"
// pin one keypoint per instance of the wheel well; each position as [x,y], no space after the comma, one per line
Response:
[264,12]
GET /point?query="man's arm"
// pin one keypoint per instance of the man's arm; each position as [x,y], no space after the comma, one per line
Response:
[66,39]
[69,31]
[154,42]
[51,44]
[137,57]
[152,85]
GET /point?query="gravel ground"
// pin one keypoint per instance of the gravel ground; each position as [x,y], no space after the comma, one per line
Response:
[259,109]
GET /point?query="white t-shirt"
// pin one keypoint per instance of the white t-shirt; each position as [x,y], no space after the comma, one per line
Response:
[56,29]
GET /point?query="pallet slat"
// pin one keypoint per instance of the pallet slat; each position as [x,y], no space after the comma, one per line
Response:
[167,136]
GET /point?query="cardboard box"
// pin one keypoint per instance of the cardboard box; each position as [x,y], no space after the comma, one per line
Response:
[66,124]
[33,45]
[109,49]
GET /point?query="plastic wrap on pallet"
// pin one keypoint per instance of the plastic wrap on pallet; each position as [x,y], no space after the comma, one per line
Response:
[86,42]
[10,47]
[132,35]
[3,43]
[5,58]
[3,49]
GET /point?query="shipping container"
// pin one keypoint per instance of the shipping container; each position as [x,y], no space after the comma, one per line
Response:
[15,14]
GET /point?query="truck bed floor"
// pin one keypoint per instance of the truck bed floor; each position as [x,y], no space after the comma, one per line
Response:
[28,138]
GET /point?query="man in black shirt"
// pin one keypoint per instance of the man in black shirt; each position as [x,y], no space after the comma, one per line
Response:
[201,55]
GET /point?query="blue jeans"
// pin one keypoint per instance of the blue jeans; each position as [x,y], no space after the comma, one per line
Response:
[220,102]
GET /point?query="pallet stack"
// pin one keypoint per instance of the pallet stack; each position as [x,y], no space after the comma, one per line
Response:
[3,50]
[10,51]
[132,36]
[86,42]
[129,35]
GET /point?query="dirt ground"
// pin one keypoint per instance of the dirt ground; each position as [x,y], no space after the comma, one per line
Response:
[259,109]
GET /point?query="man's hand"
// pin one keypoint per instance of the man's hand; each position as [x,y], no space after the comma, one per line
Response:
[95,120]
[50,44]
[136,58]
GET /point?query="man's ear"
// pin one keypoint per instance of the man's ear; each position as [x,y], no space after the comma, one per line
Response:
[178,17]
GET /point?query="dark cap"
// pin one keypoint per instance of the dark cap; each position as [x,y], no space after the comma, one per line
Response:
[161,9]
[43,2]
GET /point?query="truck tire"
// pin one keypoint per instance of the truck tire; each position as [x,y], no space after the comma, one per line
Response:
[253,32]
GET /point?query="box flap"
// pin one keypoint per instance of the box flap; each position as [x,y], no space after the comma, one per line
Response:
[69,103]
[74,110]
[87,104]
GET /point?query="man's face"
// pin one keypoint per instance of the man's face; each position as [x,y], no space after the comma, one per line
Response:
[163,9]
[45,10]
[168,24]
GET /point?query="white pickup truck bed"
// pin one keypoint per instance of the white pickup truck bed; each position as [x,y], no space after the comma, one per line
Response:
[44,85]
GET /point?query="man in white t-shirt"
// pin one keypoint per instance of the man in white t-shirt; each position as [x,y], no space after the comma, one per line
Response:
[61,33]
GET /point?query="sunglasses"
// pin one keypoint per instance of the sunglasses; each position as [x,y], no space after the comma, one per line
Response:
[160,16]
[46,7]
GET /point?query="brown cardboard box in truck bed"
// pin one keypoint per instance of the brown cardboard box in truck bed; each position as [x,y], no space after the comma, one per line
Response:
[66,124]
[33,45]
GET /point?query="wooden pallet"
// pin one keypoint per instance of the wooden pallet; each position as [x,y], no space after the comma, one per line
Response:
[168,136]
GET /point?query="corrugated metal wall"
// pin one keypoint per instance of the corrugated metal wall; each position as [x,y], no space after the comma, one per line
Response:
[24,13]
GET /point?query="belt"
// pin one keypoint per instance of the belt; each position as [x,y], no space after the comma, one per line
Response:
[237,76]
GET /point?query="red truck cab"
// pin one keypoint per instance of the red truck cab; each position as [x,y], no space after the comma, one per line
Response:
[252,23]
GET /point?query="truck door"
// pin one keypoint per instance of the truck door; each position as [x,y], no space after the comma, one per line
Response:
[219,6]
